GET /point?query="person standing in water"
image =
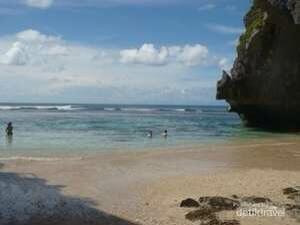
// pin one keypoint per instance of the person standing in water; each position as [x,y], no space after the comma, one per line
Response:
[165,134]
[9,129]
[150,134]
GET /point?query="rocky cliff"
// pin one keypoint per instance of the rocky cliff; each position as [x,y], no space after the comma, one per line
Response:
[264,84]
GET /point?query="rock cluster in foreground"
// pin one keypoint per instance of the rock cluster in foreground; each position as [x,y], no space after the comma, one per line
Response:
[207,209]
[263,86]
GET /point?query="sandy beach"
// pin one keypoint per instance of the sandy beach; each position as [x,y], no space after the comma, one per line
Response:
[147,187]
[150,112]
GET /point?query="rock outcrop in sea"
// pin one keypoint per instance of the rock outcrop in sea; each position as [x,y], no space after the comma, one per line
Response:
[263,86]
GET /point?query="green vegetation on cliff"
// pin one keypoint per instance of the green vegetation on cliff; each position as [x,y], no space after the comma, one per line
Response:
[254,21]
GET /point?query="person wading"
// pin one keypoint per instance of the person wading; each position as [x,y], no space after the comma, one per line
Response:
[9,129]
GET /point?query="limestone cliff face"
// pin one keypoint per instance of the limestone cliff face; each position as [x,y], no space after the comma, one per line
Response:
[264,84]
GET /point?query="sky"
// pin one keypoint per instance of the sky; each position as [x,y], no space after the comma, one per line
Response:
[117,51]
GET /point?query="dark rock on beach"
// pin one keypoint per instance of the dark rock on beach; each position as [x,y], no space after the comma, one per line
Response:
[201,214]
[293,210]
[263,86]
[256,200]
[207,216]
[219,222]
[290,190]
[220,203]
[230,222]
[292,193]
[208,208]
[295,196]
[290,207]
[235,196]
[189,203]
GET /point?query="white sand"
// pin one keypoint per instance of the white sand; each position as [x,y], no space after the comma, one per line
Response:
[147,187]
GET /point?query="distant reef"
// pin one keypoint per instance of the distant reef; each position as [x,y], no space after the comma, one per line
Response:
[263,86]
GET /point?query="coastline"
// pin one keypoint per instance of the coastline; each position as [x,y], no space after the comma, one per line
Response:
[147,187]
[273,140]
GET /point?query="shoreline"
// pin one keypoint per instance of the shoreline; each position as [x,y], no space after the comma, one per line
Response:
[230,143]
[146,187]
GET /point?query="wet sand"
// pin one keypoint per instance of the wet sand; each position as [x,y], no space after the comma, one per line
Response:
[147,187]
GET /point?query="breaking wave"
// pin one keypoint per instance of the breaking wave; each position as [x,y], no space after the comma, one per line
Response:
[128,109]
[41,107]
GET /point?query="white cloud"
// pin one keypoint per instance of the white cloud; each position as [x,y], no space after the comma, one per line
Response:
[148,54]
[16,55]
[193,55]
[225,29]
[32,47]
[43,4]
[49,68]
[206,7]
[35,36]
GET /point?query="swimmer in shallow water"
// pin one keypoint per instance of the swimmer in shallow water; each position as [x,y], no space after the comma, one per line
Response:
[9,129]
[150,134]
[165,134]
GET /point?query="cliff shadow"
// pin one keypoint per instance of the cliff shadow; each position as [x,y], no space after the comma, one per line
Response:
[274,129]
[29,200]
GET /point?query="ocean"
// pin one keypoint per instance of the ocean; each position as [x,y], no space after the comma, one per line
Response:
[42,129]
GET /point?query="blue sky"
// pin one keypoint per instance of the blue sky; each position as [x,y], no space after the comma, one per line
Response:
[117,51]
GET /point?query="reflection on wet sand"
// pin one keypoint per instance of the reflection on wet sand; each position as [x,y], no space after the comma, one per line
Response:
[9,141]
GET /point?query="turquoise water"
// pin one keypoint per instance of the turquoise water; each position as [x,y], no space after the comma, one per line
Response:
[44,129]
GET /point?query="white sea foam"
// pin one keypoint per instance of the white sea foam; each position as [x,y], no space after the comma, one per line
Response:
[74,108]
[139,109]
[41,107]
[159,110]
[9,107]
[112,109]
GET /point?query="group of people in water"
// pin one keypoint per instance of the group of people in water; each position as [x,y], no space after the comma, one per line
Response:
[164,134]
[9,131]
